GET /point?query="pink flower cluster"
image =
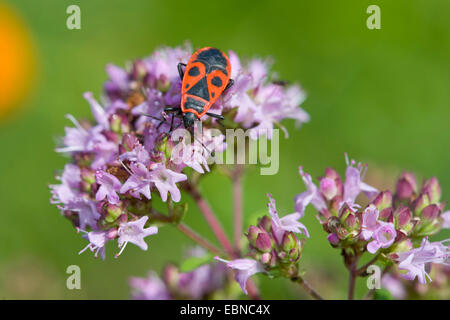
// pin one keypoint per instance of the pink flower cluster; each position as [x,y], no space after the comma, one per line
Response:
[124,158]
[394,225]
[273,247]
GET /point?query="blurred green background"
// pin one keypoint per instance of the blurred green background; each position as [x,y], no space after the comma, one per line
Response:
[381,95]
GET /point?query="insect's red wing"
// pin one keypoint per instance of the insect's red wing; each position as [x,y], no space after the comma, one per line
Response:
[193,72]
[217,81]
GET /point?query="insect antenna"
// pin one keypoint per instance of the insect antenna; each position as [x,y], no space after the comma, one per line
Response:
[153,117]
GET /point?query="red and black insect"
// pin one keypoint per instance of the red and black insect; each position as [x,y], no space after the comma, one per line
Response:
[205,77]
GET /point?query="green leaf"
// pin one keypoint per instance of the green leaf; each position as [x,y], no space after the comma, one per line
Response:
[195,262]
[382,294]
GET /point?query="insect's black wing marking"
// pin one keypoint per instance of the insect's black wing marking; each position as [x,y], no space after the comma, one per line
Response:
[194,104]
[194,71]
[216,81]
[214,57]
[200,89]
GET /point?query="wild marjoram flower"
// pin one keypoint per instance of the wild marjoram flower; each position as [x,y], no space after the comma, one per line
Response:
[126,158]
[394,226]
[400,287]
[274,248]
[123,160]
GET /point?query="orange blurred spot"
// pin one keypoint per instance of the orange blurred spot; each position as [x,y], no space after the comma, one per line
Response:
[16,60]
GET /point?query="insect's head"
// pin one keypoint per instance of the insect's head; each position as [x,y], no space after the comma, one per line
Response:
[189,119]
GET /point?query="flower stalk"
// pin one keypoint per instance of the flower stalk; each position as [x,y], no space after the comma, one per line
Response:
[362,270]
[307,287]
[211,218]
[353,274]
[198,238]
[237,204]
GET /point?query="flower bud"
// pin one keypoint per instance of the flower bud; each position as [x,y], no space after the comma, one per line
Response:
[383,200]
[386,214]
[265,223]
[122,218]
[138,70]
[111,136]
[344,212]
[342,233]
[420,203]
[289,241]
[171,276]
[112,234]
[430,212]
[88,176]
[128,141]
[163,83]
[113,212]
[433,189]
[157,156]
[402,217]
[333,239]
[335,205]
[83,159]
[252,234]
[115,123]
[333,175]
[426,228]
[282,255]
[119,123]
[263,242]
[332,224]
[85,187]
[294,254]
[273,259]
[328,188]
[149,80]
[266,258]
[351,222]
[406,185]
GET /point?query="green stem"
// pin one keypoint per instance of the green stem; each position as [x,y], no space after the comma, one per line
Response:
[198,239]
[307,287]
[211,218]
[363,269]
[187,231]
[237,203]
[352,279]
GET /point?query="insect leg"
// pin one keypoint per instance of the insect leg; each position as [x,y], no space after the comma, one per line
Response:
[153,117]
[282,83]
[161,123]
[229,85]
[170,129]
[171,123]
[180,70]
[177,110]
[217,116]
